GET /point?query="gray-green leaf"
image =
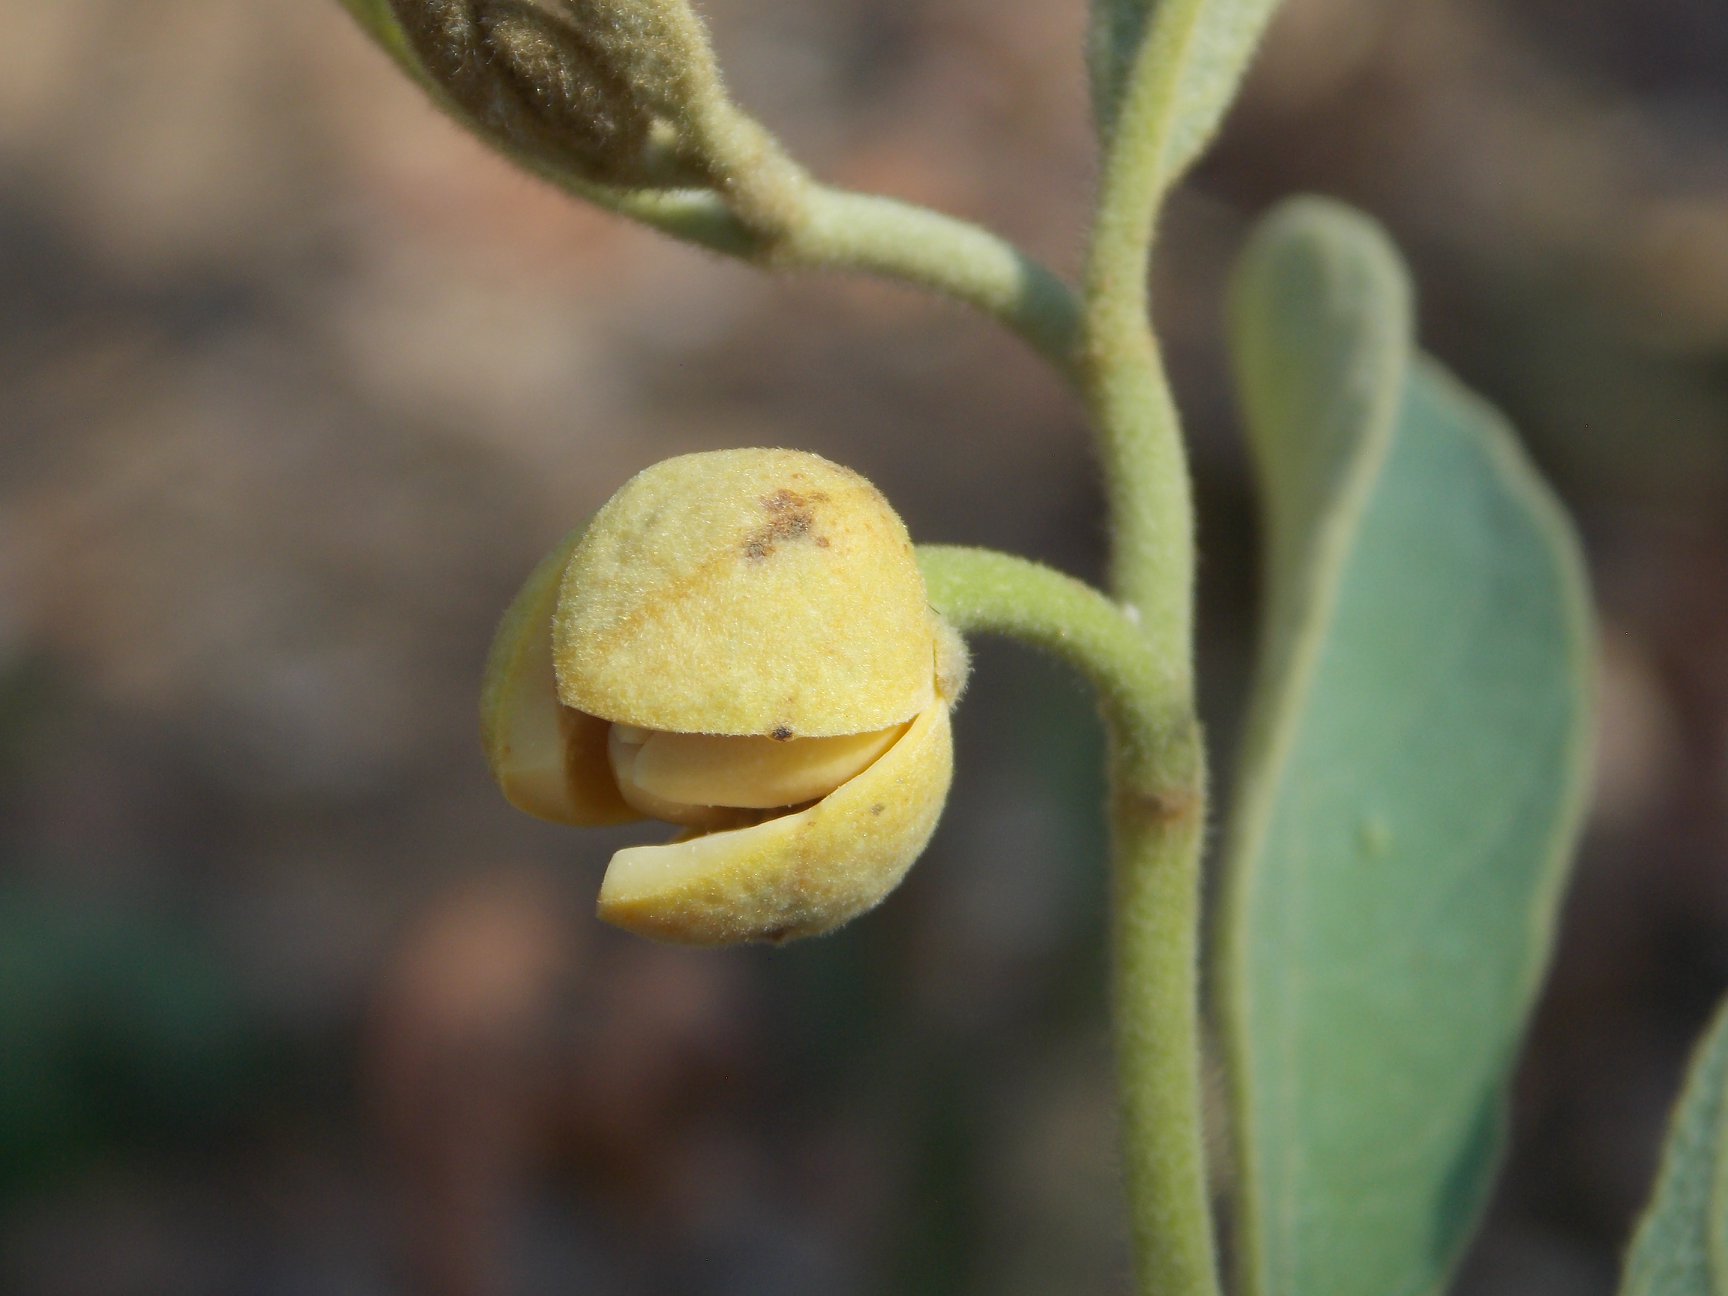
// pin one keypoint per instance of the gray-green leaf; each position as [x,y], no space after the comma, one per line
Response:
[1197,51]
[1681,1248]
[1410,783]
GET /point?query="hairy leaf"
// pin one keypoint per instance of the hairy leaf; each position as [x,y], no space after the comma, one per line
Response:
[1681,1248]
[1410,781]
[1196,50]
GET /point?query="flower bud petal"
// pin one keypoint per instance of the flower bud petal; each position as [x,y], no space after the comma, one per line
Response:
[549,761]
[764,592]
[799,874]
[751,772]
[739,644]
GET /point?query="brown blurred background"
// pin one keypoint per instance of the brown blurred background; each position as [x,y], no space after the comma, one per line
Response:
[296,382]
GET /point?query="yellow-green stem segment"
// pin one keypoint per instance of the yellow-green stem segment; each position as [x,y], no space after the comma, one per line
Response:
[1157,800]
[769,211]
[1157,788]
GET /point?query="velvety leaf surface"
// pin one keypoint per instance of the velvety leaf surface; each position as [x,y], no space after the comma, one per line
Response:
[1199,51]
[1682,1245]
[1411,777]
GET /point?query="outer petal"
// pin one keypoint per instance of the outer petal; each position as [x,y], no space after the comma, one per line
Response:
[746,592]
[549,760]
[798,875]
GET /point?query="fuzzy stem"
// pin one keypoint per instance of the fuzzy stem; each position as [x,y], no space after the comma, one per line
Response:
[983,591]
[766,209]
[1157,796]
[1158,776]
[864,232]
[1128,394]
[1157,819]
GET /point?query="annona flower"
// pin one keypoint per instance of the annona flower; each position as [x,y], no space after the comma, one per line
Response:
[739,644]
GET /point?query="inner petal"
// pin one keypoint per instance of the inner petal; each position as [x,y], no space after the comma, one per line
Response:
[747,772]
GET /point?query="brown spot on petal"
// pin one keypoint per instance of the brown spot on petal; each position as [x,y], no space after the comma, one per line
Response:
[789,519]
[783,500]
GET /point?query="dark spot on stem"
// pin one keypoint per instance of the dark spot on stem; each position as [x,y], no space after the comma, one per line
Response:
[1165,807]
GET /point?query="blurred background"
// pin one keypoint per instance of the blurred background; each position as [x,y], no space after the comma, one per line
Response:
[297,382]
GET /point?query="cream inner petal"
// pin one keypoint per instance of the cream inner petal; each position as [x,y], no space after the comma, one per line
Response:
[681,772]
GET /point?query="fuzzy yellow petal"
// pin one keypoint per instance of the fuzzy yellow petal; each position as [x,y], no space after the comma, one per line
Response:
[746,592]
[549,761]
[799,874]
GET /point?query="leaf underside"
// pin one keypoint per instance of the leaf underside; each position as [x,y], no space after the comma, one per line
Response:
[1681,1248]
[1410,783]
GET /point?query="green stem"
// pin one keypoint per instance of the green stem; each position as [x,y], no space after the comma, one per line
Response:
[983,591]
[1147,491]
[800,223]
[1158,800]
[1157,819]
[766,209]
[1157,785]
[1156,814]
[1145,465]
[842,230]
[838,230]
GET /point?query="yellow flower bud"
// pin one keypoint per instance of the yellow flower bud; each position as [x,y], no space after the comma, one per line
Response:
[739,643]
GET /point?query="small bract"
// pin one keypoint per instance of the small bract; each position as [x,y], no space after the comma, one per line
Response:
[739,644]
